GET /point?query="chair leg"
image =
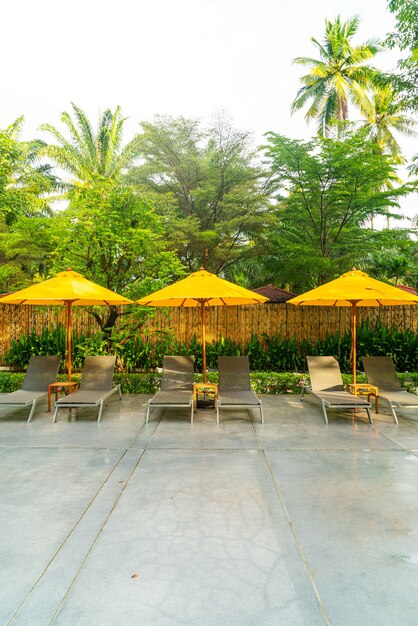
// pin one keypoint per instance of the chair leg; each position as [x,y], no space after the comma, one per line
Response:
[120,392]
[32,411]
[395,417]
[148,409]
[325,412]
[217,412]
[191,412]
[100,411]
[369,416]
[261,414]
[302,394]
[55,414]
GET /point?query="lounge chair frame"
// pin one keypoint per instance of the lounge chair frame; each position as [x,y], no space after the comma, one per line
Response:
[326,381]
[381,370]
[177,379]
[234,380]
[42,371]
[96,370]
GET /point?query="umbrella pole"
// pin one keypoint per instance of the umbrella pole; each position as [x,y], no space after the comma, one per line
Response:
[69,333]
[354,339]
[202,311]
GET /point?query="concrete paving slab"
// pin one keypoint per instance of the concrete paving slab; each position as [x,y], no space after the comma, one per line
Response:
[197,538]
[356,515]
[43,493]
[173,432]
[121,422]
[293,522]
[46,596]
[405,434]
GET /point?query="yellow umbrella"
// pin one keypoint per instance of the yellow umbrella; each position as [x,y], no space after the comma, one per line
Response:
[70,289]
[202,289]
[354,289]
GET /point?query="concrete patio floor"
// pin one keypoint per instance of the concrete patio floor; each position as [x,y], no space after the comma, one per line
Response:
[288,523]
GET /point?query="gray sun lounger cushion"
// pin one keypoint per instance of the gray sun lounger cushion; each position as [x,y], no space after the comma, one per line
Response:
[176,389]
[327,386]
[41,372]
[96,385]
[381,372]
[234,387]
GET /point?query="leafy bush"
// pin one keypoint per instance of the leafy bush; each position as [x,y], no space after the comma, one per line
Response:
[266,353]
[262,382]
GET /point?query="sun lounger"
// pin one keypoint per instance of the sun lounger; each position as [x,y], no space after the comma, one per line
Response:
[41,372]
[234,388]
[381,373]
[96,385]
[176,385]
[327,385]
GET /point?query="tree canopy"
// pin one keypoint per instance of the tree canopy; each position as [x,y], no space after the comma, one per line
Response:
[340,75]
[206,185]
[86,155]
[405,37]
[326,190]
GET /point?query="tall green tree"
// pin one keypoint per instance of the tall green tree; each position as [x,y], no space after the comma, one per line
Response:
[113,236]
[385,117]
[206,184]
[326,191]
[405,37]
[25,181]
[27,188]
[393,256]
[340,75]
[86,154]
[25,251]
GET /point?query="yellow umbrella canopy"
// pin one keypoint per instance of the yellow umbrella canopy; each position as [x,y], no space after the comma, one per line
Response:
[354,288]
[70,289]
[202,289]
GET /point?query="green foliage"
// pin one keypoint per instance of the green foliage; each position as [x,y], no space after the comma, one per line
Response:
[26,185]
[90,156]
[385,114]
[205,184]
[25,181]
[405,37]
[340,74]
[261,382]
[25,251]
[266,353]
[51,342]
[326,191]
[112,235]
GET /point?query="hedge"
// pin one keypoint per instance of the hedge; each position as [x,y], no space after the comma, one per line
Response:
[261,382]
[265,353]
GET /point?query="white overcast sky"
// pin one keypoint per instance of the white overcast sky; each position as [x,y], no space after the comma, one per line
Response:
[177,57]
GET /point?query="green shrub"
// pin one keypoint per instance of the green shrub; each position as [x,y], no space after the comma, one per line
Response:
[261,382]
[266,353]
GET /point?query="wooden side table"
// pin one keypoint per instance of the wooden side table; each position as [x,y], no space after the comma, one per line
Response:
[364,389]
[66,387]
[210,389]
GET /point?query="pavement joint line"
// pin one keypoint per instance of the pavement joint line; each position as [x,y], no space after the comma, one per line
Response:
[295,536]
[389,438]
[140,428]
[94,542]
[279,449]
[66,539]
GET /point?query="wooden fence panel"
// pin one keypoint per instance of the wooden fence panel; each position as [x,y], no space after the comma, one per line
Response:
[238,323]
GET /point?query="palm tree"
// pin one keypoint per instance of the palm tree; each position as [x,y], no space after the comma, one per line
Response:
[385,113]
[338,76]
[86,155]
[26,182]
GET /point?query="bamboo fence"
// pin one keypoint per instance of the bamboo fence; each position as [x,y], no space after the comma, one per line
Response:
[238,323]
